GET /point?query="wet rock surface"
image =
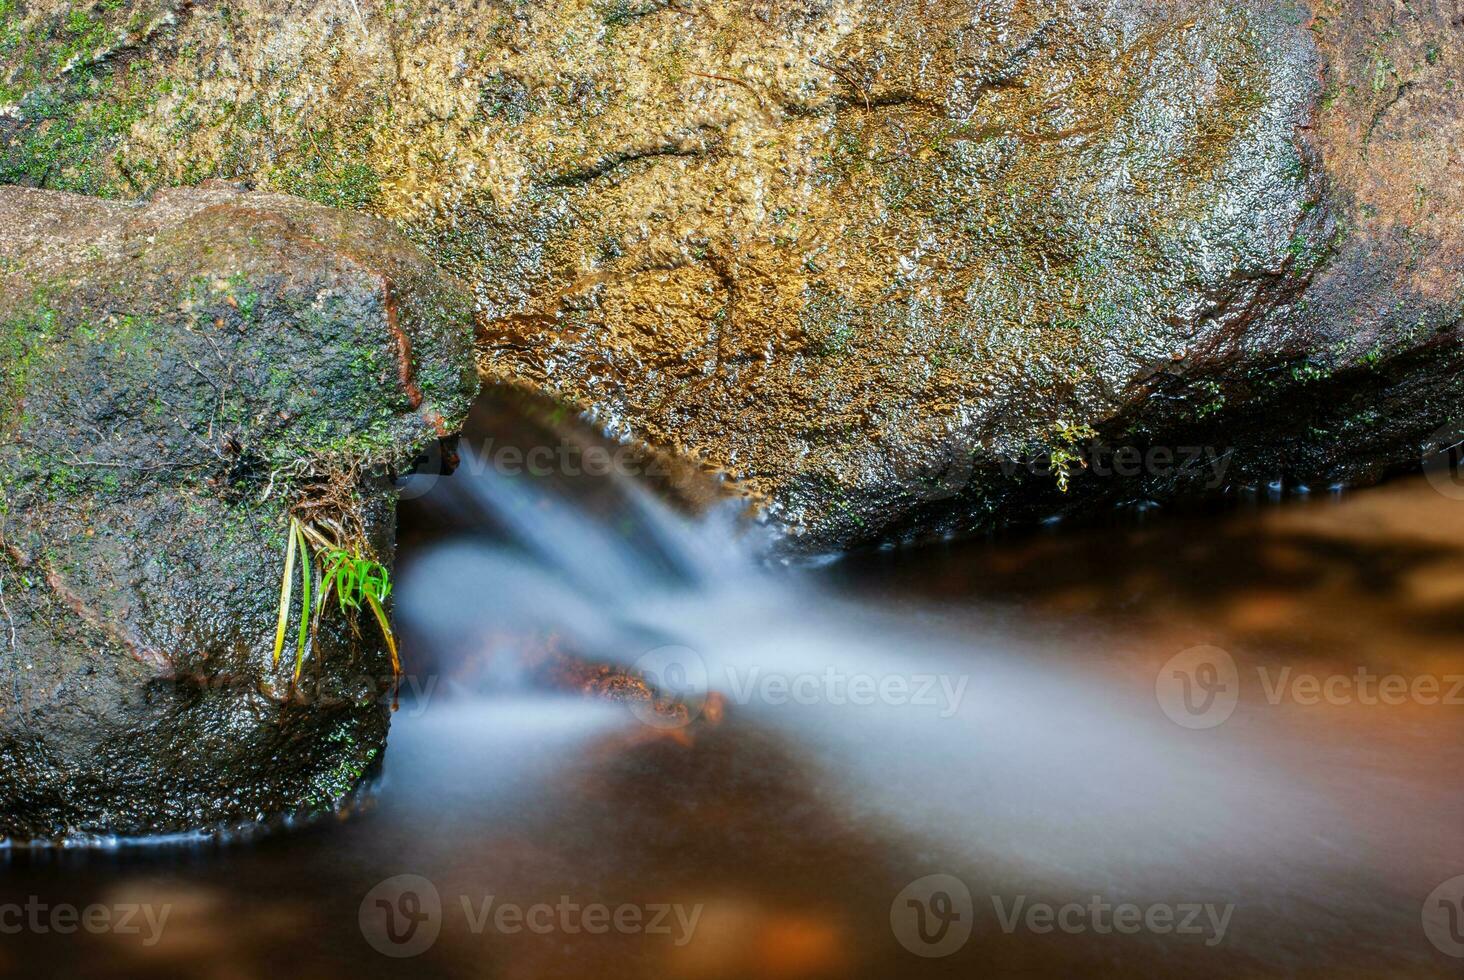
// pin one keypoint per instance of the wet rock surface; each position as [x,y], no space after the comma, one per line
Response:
[177,374]
[893,268]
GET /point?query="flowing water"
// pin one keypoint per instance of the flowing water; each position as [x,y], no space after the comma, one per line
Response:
[1221,743]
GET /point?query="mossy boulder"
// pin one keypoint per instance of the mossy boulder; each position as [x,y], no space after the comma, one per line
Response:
[877,262]
[177,376]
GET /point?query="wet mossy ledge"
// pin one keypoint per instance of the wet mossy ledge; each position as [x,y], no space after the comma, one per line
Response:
[180,377]
[850,254]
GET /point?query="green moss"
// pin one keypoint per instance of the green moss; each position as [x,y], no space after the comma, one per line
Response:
[1382,73]
[82,35]
[73,110]
[670,64]
[1308,372]
[1212,399]
[829,320]
[69,135]
[329,787]
[351,185]
[243,294]
[503,97]
[331,170]
[1310,255]
[616,14]
[22,338]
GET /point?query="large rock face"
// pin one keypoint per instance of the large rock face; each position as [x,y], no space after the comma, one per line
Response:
[870,259]
[176,376]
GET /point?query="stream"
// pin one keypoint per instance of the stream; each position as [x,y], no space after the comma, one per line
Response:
[1218,741]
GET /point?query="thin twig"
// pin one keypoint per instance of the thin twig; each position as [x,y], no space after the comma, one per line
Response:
[153,468]
[14,644]
[848,80]
[218,396]
[740,82]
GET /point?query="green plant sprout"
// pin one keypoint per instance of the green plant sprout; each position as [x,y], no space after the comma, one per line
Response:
[354,578]
[1064,455]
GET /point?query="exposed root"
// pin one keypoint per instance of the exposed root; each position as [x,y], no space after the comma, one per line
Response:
[330,498]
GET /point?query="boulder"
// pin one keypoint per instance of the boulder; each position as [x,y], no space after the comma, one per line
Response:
[179,376]
[894,268]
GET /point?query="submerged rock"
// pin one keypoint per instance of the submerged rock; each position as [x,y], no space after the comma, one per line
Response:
[892,267]
[176,376]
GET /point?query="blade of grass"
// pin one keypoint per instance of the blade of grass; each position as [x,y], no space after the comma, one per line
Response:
[350,584]
[287,585]
[307,575]
[396,666]
[326,583]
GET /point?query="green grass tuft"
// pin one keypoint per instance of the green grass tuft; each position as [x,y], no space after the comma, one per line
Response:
[356,581]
